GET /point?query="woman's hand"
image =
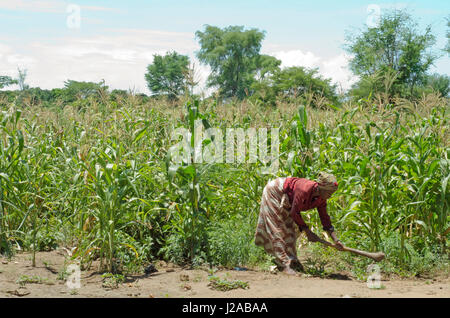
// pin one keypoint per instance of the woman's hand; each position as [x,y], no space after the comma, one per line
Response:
[338,244]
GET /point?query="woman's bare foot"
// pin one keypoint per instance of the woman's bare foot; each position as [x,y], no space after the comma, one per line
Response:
[289,271]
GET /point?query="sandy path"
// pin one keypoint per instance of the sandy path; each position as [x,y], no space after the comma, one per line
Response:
[181,283]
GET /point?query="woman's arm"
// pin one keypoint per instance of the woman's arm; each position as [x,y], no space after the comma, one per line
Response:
[324,217]
[326,223]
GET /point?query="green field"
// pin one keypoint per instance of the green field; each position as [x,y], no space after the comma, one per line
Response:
[96,176]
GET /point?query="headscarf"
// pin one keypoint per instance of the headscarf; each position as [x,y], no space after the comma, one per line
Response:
[327,182]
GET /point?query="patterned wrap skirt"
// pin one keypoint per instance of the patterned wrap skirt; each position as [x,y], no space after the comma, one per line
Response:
[276,231]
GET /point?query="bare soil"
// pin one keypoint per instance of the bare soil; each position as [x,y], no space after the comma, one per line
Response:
[173,281]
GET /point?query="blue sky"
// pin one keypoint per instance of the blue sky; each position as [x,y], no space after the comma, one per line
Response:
[116,40]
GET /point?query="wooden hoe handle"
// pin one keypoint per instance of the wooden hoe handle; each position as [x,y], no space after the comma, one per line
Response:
[377,256]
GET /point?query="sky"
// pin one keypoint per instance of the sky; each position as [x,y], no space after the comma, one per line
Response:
[57,40]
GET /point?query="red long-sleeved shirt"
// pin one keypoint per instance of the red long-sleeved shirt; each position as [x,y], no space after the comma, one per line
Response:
[300,192]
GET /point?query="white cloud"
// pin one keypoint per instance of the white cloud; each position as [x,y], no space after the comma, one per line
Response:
[6,55]
[201,73]
[49,6]
[120,57]
[20,60]
[4,49]
[54,6]
[335,67]
[297,58]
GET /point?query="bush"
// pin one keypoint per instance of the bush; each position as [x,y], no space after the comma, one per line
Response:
[232,244]
[409,259]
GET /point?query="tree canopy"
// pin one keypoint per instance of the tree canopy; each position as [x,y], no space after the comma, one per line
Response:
[6,81]
[167,75]
[394,48]
[295,82]
[74,90]
[233,55]
[439,83]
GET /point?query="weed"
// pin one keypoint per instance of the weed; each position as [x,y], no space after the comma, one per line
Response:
[315,267]
[35,279]
[112,281]
[198,278]
[225,285]
[63,274]
[378,287]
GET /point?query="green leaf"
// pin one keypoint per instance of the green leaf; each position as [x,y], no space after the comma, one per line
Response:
[302,115]
[21,141]
[140,134]
[189,171]
[18,114]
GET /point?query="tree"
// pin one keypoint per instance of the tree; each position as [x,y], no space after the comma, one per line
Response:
[167,75]
[439,83]
[263,89]
[233,55]
[396,47]
[6,81]
[74,90]
[118,94]
[295,83]
[297,80]
[266,66]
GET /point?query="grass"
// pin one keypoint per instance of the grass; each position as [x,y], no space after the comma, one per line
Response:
[378,287]
[198,278]
[63,274]
[315,267]
[224,284]
[112,281]
[35,279]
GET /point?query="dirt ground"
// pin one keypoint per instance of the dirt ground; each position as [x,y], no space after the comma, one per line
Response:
[171,281]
